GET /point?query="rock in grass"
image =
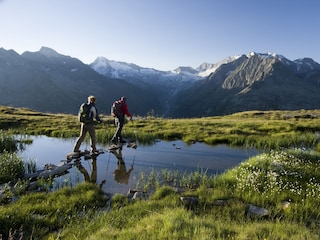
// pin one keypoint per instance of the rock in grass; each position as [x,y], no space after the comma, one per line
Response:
[189,201]
[285,204]
[254,211]
[138,196]
[55,171]
[134,194]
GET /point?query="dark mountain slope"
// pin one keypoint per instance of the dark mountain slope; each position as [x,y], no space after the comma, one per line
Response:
[250,83]
[49,82]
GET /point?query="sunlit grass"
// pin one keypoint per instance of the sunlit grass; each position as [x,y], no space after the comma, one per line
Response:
[263,130]
[40,213]
[288,170]
[292,174]
[265,180]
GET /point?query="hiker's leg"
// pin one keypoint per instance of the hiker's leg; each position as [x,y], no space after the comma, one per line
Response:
[92,134]
[113,139]
[83,132]
[121,123]
[117,134]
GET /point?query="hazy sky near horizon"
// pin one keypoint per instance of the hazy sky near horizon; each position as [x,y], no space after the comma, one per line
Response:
[162,34]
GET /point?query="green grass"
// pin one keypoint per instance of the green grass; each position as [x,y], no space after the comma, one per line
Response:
[288,170]
[265,181]
[11,167]
[263,130]
[38,214]
[7,142]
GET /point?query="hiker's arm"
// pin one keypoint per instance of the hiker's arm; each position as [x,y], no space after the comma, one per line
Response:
[95,114]
[126,111]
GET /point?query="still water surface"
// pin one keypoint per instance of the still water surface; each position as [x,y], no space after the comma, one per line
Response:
[119,171]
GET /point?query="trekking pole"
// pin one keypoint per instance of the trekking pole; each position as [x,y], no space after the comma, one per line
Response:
[136,141]
[135,133]
[107,166]
[134,130]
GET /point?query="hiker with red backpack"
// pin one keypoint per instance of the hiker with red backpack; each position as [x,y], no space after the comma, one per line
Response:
[119,110]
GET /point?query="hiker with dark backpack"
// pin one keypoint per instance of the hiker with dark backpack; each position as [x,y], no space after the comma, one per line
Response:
[88,116]
[119,110]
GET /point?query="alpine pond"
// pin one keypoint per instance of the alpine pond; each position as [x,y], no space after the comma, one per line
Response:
[119,170]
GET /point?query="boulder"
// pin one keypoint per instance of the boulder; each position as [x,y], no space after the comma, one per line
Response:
[254,211]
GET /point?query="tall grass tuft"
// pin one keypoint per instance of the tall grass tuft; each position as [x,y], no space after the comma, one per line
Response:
[39,214]
[11,167]
[7,142]
[292,175]
[30,166]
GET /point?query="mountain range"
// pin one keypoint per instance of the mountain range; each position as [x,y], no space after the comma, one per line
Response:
[48,81]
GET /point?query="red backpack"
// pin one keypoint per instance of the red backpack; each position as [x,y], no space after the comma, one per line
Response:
[116,109]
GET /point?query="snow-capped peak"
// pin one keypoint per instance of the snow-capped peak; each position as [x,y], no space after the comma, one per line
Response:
[300,65]
[183,74]
[101,61]
[205,69]
[187,70]
[104,62]
[265,55]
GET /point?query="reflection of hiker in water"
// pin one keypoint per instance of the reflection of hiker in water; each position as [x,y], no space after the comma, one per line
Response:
[87,177]
[120,174]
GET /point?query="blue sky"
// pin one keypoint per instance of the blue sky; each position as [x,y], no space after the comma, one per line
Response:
[162,34]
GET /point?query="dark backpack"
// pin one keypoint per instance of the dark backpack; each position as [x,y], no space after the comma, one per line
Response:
[84,113]
[116,109]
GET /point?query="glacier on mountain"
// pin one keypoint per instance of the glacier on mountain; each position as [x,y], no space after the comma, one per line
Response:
[175,78]
[184,75]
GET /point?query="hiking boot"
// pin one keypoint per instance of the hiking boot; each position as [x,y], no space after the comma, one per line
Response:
[77,153]
[113,150]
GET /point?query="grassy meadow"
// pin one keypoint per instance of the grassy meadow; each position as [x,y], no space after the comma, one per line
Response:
[262,130]
[284,181]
